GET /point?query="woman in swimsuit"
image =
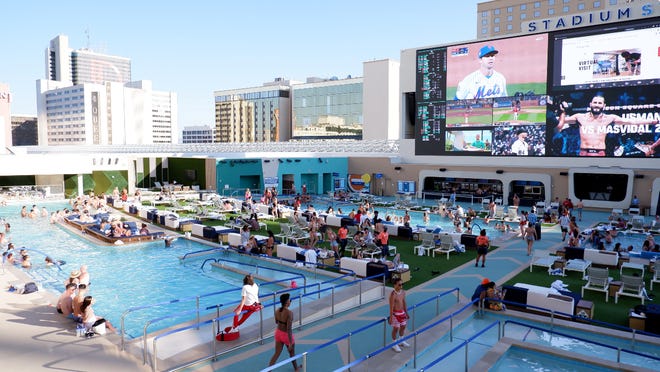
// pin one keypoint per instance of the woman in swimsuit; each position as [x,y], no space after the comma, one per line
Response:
[283,332]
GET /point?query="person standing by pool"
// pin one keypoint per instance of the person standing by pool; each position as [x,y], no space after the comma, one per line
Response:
[564,223]
[284,331]
[579,207]
[384,239]
[529,235]
[482,248]
[84,275]
[249,301]
[342,236]
[398,314]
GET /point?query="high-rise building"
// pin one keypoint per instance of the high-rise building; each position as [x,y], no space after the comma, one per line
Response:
[506,17]
[258,114]
[88,98]
[197,134]
[83,65]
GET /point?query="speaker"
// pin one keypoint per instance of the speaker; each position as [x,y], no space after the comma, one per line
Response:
[499,171]
[397,168]
[563,173]
[442,169]
[639,176]
[411,106]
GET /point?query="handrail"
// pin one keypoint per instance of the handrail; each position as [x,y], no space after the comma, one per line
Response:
[619,349]
[459,346]
[207,260]
[274,294]
[44,254]
[190,298]
[361,329]
[201,251]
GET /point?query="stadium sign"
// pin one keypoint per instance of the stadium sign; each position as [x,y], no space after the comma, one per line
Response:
[614,14]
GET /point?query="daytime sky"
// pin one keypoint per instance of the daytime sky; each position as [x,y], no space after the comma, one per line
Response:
[197,47]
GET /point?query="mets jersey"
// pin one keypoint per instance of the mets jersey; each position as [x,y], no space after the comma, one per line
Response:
[477,85]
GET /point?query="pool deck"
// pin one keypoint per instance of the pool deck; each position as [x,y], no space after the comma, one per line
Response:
[34,337]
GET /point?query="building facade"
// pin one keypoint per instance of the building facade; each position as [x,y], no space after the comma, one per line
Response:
[327,108]
[197,134]
[88,98]
[24,130]
[258,114]
[508,17]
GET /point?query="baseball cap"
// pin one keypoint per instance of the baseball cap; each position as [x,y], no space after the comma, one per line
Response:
[485,281]
[487,49]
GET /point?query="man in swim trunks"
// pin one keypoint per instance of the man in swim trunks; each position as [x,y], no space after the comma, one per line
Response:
[398,314]
[593,126]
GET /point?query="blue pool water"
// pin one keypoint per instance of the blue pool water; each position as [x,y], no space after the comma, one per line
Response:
[520,359]
[475,324]
[133,275]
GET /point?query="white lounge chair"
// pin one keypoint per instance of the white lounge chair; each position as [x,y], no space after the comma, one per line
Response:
[598,281]
[543,259]
[631,286]
[446,245]
[656,274]
[428,244]
[578,265]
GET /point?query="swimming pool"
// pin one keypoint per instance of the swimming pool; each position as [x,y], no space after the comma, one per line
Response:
[132,275]
[474,324]
[521,359]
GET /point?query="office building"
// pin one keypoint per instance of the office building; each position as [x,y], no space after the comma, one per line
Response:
[257,114]
[197,134]
[508,17]
[88,98]
[327,108]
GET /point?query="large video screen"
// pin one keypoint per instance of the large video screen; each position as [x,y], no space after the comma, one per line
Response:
[581,92]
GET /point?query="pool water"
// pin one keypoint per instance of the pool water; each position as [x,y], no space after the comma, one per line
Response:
[474,324]
[134,275]
[521,359]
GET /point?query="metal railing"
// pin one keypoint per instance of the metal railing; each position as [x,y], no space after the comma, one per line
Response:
[384,321]
[601,344]
[303,293]
[196,299]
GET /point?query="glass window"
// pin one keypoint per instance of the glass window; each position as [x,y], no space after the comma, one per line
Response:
[509,27]
[612,2]
[496,29]
[484,22]
[523,6]
[537,13]
[537,4]
[596,4]
[523,16]
[509,18]
[484,31]
[566,9]
[496,20]
[551,11]
[567,1]
[551,2]
[509,9]
[484,14]
[496,11]
[581,6]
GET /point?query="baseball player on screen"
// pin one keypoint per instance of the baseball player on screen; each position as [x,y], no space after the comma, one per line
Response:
[485,82]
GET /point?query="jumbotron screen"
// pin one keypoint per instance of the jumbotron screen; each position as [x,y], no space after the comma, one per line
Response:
[581,92]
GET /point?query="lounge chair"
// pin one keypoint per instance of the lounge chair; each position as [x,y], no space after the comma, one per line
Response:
[428,244]
[544,259]
[632,286]
[285,230]
[578,265]
[446,246]
[598,281]
[656,274]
